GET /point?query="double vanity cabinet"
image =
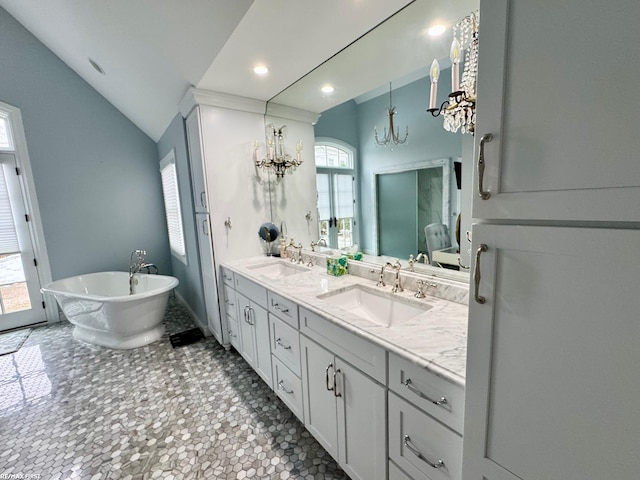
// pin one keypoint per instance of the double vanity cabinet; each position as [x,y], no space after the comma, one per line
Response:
[380,409]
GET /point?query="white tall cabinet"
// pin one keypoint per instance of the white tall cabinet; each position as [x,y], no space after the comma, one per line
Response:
[552,381]
[231,197]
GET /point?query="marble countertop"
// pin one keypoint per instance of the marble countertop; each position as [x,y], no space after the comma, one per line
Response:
[435,340]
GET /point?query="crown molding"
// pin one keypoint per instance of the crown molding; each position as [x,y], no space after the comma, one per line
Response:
[291,113]
[196,96]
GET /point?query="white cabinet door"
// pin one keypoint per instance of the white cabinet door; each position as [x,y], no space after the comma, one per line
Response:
[254,333]
[209,284]
[553,381]
[260,324]
[196,162]
[362,431]
[247,336]
[320,415]
[554,91]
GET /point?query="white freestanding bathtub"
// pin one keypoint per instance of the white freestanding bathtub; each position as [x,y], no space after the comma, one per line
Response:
[103,312]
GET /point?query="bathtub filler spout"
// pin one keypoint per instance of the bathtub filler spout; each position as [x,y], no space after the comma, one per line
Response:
[136,265]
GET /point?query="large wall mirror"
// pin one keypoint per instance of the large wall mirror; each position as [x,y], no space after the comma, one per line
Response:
[397,189]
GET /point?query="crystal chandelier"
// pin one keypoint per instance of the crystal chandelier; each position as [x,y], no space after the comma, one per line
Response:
[278,160]
[391,136]
[459,110]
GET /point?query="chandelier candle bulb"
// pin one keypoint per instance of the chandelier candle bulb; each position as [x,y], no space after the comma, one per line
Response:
[434,73]
[455,65]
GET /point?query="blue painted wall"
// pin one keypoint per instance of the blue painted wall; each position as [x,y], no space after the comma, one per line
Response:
[190,288]
[96,174]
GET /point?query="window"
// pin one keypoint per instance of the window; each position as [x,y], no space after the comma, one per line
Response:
[6,142]
[172,205]
[335,183]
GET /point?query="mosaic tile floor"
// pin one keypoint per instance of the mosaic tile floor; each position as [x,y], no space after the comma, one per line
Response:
[69,410]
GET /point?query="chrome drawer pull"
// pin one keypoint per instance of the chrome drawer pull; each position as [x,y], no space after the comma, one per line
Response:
[230,332]
[283,388]
[203,199]
[484,195]
[438,464]
[476,274]
[279,342]
[335,387]
[277,307]
[326,377]
[409,385]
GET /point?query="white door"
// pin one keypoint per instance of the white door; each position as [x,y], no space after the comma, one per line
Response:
[553,90]
[320,410]
[20,299]
[362,424]
[209,283]
[552,365]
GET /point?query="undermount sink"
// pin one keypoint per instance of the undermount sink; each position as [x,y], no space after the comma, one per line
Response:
[381,308]
[277,269]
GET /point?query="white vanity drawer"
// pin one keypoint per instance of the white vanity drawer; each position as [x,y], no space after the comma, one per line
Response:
[227,276]
[285,343]
[233,329]
[230,301]
[285,309]
[396,474]
[439,398]
[251,290]
[359,352]
[418,442]
[288,387]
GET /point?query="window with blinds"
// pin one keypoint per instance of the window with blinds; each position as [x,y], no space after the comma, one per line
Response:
[8,235]
[5,134]
[172,206]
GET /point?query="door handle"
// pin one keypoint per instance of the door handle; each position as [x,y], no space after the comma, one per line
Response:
[335,387]
[326,377]
[476,274]
[203,199]
[484,195]
[205,228]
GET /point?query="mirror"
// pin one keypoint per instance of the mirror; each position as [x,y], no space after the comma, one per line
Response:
[397,51]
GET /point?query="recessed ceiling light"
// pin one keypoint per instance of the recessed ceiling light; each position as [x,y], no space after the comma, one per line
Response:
[328,89]
[436,30]
[95,65]
[260,69]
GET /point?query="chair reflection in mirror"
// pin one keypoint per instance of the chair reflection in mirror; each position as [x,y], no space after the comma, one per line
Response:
[439,248]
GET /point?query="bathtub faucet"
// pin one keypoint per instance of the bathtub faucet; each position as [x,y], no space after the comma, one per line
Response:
[137,264]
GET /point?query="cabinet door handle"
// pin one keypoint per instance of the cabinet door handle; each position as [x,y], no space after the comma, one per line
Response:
[203,199]
[279,342]
[205,228]
[326,377]
[252,316]
[335,387]
[476,274]
[246,314]
[416,452]
[481,192]
[443,400]
[283,388]
[230,332]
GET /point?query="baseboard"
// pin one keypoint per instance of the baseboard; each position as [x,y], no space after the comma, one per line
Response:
[202,326]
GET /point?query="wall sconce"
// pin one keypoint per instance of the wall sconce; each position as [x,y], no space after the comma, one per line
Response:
[459,111]
[278,160]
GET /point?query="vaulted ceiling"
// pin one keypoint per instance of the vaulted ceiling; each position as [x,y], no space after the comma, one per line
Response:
[152,51]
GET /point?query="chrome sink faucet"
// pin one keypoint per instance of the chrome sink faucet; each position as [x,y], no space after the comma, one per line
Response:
[397,287]
[320,243]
